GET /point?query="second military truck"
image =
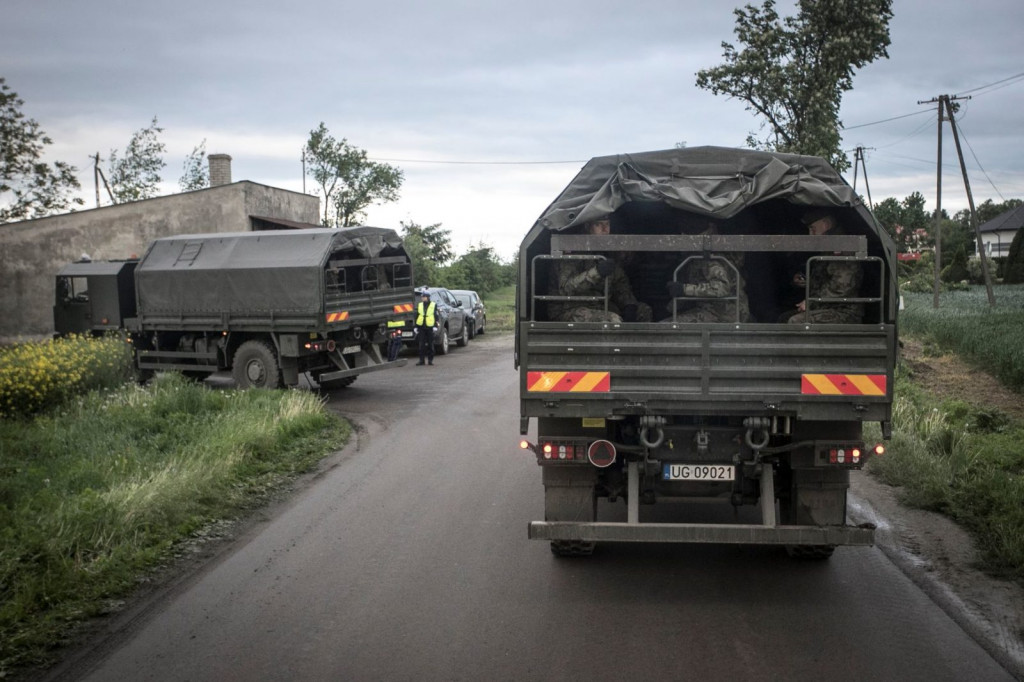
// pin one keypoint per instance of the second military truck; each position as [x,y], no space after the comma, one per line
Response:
[759,407]
[268,305]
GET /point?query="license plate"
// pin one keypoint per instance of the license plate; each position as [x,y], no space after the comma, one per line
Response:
[407,335]
[699,472]
[350,349]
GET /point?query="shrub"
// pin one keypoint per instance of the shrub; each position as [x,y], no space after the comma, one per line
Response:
[956,271]
[37,376]
[975,273]
[1013,272]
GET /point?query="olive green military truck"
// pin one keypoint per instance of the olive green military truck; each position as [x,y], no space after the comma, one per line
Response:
[268,306]
[760,407]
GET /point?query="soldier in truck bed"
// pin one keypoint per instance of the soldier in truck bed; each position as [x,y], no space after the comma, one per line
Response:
[705,278]
[583,277]
[829,279]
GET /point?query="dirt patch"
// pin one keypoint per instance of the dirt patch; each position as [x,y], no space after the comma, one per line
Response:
[947,376]
[932,550]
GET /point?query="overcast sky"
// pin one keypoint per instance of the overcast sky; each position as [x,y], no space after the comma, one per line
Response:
[489,108]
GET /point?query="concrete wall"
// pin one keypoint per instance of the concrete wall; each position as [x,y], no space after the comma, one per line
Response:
[32,251]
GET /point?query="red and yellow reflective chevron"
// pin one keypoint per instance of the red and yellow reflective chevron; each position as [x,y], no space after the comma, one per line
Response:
[843,384]
[403,308]
[337,317]
[568,382]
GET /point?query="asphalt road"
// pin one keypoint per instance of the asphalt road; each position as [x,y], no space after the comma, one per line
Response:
[406,558]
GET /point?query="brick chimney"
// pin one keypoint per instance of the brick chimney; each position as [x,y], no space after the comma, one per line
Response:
[220,169]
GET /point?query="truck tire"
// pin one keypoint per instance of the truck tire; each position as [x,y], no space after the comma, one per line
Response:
[337,383]
[445,344]
[255,366]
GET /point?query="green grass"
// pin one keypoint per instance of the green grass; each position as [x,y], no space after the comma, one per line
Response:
[501,309]
[96,493]
[964,461]
[989,338]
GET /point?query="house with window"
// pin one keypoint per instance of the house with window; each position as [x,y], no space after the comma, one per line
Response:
[998,233]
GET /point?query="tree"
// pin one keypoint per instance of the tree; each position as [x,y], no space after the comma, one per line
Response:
[29,187]
[906,221]
[429,248]
[793,71]
[348,180]
[137,174]
[196,174]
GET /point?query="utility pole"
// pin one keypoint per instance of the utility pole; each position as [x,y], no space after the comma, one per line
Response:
[970,201]
[97,175]
[945,103]
[858,161]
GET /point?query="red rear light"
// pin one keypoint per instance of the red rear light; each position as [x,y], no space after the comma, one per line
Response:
[547,450]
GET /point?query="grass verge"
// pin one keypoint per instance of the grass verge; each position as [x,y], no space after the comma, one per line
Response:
[501,309]
[962,460]
[96,493]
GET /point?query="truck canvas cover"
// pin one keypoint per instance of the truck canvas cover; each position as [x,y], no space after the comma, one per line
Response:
[715,181]
[250,272]
[718,182]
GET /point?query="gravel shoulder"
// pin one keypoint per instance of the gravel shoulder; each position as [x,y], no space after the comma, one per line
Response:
[933,551]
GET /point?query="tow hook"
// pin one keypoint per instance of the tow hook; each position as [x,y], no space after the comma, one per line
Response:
[647,423]
[759,425]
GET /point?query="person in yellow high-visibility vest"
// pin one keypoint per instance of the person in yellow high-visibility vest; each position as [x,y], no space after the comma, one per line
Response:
[425,319]
[394,339]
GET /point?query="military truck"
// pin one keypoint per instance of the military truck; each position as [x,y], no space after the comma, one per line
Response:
[265,305]
[747,411]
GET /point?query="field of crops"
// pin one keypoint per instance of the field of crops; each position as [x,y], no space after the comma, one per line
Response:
[989,338]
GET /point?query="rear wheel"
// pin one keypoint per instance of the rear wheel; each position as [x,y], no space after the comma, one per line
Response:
[255,366]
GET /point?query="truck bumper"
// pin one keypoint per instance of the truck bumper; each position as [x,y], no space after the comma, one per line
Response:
[706,533]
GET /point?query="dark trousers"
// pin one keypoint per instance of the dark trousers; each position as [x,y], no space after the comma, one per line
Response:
[394,346]
[426,339]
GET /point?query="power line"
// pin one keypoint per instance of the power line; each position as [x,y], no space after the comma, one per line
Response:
[875,123]
[984,172]
[982,87]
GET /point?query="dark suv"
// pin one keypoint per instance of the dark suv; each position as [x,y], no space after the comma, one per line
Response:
[474,308]
[450,320]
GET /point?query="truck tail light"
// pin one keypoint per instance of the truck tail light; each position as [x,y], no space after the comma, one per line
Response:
[879,449]
[525,445]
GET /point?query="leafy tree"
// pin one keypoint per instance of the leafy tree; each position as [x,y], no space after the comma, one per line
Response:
[137,175]
[438,242]
[793,71]
[348,180]
[987,210]
[196,173]
[29,187]
[903,219]
[428,248]
[1013,270]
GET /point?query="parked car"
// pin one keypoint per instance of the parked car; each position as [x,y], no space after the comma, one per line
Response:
[450,320]
[475,310]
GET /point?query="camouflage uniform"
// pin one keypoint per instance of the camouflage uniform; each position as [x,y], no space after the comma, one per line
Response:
[581,278]
[833,279]
[712,278]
